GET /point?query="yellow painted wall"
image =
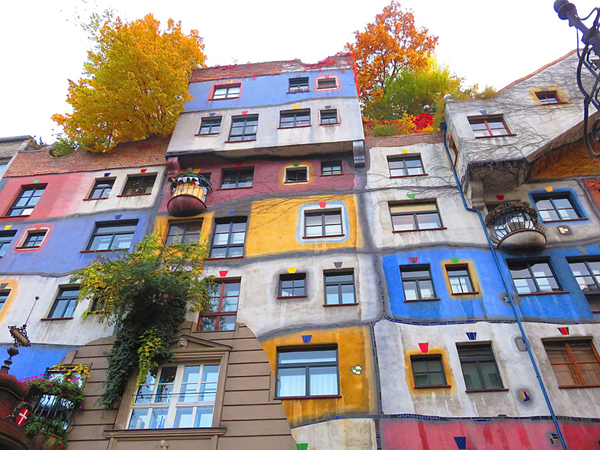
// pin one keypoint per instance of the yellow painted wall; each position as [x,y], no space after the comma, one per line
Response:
[357,391]
[274,226]
[13,287]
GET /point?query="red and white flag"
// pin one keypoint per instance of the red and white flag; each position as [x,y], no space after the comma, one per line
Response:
[22,417]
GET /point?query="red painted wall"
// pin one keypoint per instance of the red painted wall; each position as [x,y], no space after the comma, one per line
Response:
[410,434]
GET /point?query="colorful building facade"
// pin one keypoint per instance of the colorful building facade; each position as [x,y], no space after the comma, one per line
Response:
[422,291]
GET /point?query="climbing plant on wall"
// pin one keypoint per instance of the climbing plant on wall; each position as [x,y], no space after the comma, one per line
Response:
[146,293]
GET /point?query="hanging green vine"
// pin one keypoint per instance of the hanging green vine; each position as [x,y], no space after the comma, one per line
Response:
[147,292]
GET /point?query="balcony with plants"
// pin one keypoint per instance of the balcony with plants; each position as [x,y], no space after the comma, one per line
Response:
[189,191]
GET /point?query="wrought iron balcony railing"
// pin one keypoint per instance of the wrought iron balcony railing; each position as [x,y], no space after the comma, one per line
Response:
[516,228]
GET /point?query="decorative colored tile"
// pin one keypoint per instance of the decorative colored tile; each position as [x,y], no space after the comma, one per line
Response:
[238,165]
[143,170]
[328,107]
[413,259]
[296,164]
[322,204]
[244,112]
[36,181]
[483,111]
[3,285]
[524,396]
[500,197]
[231,213]
[461,442]
[7,227]
[410,195]
[306,338]
[472,335]
[107,174]
[549,188]
[564,331]
[404,150]
[223,273]
[211,114]
[356,370]
[118,216]
[296,106]
[338,265]
[424,346]
[292,269]
[455,259]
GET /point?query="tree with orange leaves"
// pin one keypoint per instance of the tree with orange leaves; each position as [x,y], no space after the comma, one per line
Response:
[387,46]
[135,82]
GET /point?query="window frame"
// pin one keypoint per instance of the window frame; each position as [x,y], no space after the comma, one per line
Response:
[486,120]
[428,357]
[478,360]
[327,79]
[244,137]
[417,280]
[131,178]
[300,276]
[592,295]
[70,301]
[456,267]
[323,225]
[171,237]
[111,224]
[332,166]
[298,116]
[301,88]
[405,168]
[175,395]
[33,188]
[306,366]
[339,286]
[552,196]
[220,312]
[296,169]
[573,363]
[237,172]
[204,121]
[4,294]
[97,182]
[544,96]
[529,263]
[227,87]
[32,236]
[415,215]
[325,121]
[6,238]
[230,233]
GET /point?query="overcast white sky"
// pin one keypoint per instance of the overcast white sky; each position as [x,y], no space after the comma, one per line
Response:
[490,43]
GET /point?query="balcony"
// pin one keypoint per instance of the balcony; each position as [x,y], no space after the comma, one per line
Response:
[516,228]
[189,193]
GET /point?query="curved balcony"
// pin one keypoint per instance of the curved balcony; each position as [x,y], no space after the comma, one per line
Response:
[516,228]
[189,192]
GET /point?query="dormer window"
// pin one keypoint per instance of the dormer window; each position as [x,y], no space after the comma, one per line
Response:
[227,91]
[298,84]
[326,83]
[548,97]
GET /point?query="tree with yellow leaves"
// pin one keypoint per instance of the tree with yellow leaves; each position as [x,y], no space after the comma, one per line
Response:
[387,46]
[135,83]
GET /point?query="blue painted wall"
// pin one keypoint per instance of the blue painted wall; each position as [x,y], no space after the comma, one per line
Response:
[269,90]
[34,360]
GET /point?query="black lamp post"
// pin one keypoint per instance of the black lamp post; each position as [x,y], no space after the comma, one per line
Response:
[589,57]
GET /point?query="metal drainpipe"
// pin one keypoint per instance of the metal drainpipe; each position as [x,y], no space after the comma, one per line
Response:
[443,128]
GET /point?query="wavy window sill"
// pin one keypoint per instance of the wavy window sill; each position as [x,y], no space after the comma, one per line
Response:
[543,293]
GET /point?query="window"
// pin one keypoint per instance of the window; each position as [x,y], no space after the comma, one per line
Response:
[184,233]
[331,168]
[228,91]
[587,274]
[574,362]
[460,279]
[210,125]
[5,240]
[26,201]
[298,84]
[533,276]
[112,236]
[224,298]
[101,189]
[3,297]
[243,128]
[292,285]
[339,288]
[291,119]
[548,97]
[237,178]
[428,371]
[323,223]
[479,367]
[34,239]
[65,303]
[415,216]
[296,174]
[555,207]
[488,126]
[176,397]
[228,240]
[405,166]
[326,83]
[329,116]
[417,282]
[307,373]
[138,185]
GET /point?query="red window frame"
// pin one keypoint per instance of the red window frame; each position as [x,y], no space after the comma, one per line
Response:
[491,131]
[572,362]
[219,312]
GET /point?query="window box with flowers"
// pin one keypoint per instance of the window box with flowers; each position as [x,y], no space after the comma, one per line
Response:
[53,399]
[189,191]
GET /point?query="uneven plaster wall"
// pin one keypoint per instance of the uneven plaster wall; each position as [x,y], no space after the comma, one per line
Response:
[347,434]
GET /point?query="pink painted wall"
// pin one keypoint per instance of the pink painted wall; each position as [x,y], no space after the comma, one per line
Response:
[410,434]
[267,181]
